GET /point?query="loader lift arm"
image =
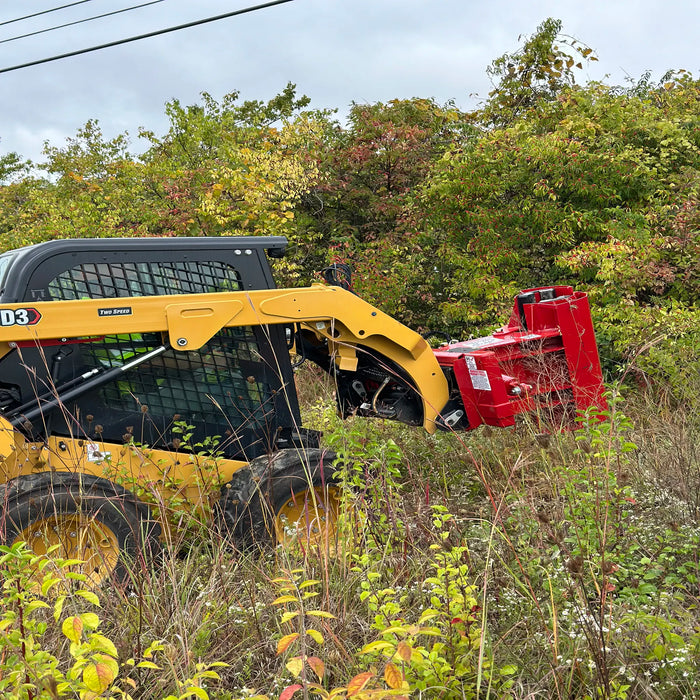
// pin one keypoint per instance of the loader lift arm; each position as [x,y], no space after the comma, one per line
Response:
[342,325]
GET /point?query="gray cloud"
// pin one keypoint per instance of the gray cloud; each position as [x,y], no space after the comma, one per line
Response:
[336,51]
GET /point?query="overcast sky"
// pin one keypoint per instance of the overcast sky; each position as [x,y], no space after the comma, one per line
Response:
[336,51]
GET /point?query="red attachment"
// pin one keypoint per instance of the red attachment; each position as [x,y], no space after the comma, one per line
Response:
[545,361]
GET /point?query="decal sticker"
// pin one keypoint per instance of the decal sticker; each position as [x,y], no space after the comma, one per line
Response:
[115,311]
[471,362]
[480,380]
[478,344]
[95,454]
[19,317]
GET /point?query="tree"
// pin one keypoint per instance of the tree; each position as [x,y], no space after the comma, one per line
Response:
[368,174]
[372,165]
[221,168]
[598,188]
[11,166]
[539,71]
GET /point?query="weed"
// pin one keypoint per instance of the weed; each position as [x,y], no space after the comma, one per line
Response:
[495,565]
[92,670]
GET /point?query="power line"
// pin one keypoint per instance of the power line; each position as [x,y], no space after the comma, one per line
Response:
[79,21]
[43,12]
[144,36]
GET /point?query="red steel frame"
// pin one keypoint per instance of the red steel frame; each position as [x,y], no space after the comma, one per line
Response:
[545,361]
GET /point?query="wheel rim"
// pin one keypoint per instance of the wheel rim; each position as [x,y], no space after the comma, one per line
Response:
[75,536]
[309,518]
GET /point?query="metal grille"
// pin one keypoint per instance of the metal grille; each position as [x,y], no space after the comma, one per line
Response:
[222,385]
[130,279]
[221,388]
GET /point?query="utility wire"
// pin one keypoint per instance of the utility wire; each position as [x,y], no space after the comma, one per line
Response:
[144,36]
[79,21]
[44,12]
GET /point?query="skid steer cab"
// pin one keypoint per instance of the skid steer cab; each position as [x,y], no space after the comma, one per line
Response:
[111,349]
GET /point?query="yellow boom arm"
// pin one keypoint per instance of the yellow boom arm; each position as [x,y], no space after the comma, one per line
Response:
[345,321]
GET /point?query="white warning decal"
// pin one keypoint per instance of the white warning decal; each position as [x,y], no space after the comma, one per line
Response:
[480,379]
[95,454]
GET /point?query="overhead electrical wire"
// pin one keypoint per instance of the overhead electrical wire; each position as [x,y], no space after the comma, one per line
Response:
[80,21]
[148,35]
[43,12]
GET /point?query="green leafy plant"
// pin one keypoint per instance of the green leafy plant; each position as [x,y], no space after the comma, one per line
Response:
[33,585]
[187,517]
[29,670]
[444,651]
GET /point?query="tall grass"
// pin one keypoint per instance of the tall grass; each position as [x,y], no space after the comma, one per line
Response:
[493,564]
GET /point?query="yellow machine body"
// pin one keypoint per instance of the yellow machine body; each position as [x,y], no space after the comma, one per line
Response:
[187,322]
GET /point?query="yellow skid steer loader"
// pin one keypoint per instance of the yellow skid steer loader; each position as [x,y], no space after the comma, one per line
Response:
[111,345]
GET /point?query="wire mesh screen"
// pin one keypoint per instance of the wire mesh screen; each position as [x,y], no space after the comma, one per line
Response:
[135,279]
[222,385]
[221,389]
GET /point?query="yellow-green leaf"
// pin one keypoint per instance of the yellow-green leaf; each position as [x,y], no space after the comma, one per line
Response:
[90,620]
[306,584]
[284,599]
[34,605]
[58,607]
[379,645]
[72,628]
[98,677]
[295,665]
[100,643]
[508,670]
[320,613]
[48,584]
[152,648]
[286,617]
[315,635]
[90,597]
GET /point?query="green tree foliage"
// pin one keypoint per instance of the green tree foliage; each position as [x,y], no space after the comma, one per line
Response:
[598,188]
[373,165]
[369,172]
[94,188]
[11,167]
[221,169]
[194,161]
[539,71]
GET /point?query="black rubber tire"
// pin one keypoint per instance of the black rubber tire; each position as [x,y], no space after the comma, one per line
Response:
[252,500]
[28,499]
